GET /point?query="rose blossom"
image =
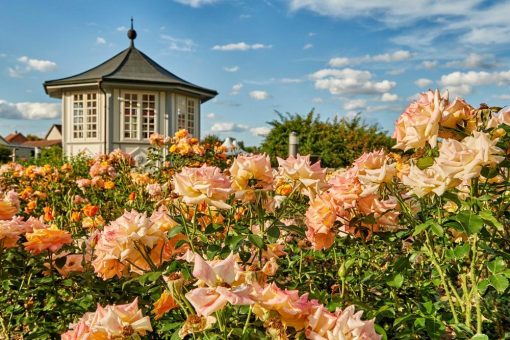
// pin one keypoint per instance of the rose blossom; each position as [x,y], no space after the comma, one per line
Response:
[320,218]
[464,160]
[430,180]
[255,168]
[310,177]
[218,277]
[205,184]
[110,322]
[51,239]
[419,124]
[373,169]
[10,231]
[456,113]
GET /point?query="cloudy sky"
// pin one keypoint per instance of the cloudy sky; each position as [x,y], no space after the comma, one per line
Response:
[337,56]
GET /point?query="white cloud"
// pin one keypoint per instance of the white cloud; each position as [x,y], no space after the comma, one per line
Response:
[37,64]
[231,69]
[195,3]
[317,100]
[259,95]
[307,46]
[463,82]
[122,29]
[291,80]
[474,60]
[240,46]
[423,82]
[350,81]
[339,62]
[394,13]
[211,115]
[389,97]
[28,110]
[399,55]
[100,41]
[396,71]
[245,16]
[236,89]
[355,104]
[228,127]
[391,57]
[180,45]
[429,64]
[260,131]
[502,96]
[3,55]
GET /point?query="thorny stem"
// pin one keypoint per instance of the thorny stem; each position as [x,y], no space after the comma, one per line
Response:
[442,276]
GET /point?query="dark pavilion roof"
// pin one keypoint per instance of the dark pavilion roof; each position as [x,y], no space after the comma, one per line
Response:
[131,66]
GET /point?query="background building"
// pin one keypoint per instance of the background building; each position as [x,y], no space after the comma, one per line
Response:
[121,102]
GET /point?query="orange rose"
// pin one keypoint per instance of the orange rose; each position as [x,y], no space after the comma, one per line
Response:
[51,239]
[164,304]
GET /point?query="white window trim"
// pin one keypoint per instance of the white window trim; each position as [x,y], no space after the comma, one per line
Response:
[139,115]
[196,114]
[85,123]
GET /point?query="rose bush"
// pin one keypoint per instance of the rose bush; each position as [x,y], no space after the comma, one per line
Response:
[412,243]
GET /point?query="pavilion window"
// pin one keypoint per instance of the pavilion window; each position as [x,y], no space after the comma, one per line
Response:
[131,115]
[148,115]
[139,115]
[85,115]
[186,113]
[91,115]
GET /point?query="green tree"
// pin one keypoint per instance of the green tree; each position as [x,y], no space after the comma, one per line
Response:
[211,140]
[336,142]
[5,155]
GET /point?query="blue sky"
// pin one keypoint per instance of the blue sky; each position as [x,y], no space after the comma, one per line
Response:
[337,56]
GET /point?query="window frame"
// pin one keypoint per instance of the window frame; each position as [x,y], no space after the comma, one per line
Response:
[140,114]
[87,104]
[183,122]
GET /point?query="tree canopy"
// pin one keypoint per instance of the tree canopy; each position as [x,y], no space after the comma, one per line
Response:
[336,142]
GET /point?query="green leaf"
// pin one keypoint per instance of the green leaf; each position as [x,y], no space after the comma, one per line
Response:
[256,240]
[479,337]
[499,282]
[273,232]
[396,281]
[471,223]
[425,162]
[489,218]
[436,229]
[497,265]
[421,227]
[483,285]
[461,251]
[174,231]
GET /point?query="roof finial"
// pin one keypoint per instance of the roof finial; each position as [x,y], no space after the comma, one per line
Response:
[132,34]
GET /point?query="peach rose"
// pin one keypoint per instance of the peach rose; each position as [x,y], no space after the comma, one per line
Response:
[251,172]
[374,169]
[292,308]
[456,113]
[310,178]
[320,218]
[219,276]
[163,305]
[419,124]
[430,180]
[10,231]
[205,184]
[464,160]
[111,322]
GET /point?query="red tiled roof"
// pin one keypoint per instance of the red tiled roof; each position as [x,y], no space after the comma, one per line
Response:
[16,138]
[43,143]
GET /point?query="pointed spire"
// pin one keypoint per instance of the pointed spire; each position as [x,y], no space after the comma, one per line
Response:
[132,34]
